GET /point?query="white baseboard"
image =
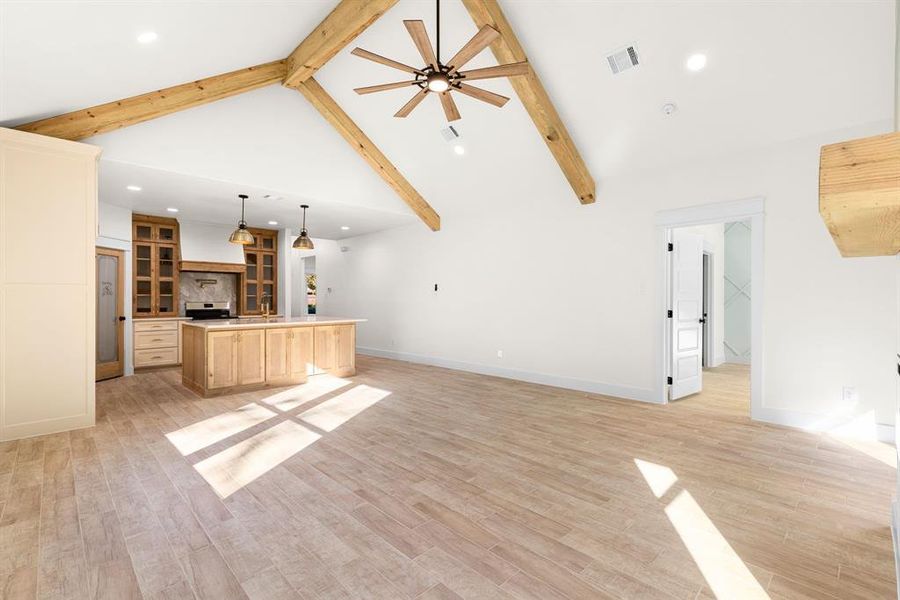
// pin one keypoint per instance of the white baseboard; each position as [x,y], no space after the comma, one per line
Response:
[844,425]
[570,383]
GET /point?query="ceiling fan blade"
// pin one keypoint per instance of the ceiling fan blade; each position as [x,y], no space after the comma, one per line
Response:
[383,87]
[382,60]
[479,42]
[449,107]
[420,38]
[484,95]
[409,106]
[510,70]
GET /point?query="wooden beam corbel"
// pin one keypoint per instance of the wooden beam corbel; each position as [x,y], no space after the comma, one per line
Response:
[351,132]
[531,92]
[102,118]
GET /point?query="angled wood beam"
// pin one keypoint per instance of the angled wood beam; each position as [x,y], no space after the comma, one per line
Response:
[99,119]
[348,19]
[531,92]
[349,130]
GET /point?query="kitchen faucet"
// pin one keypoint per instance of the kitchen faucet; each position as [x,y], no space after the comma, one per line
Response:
[266,304]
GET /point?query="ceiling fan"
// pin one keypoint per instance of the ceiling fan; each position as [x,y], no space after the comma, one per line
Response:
[443,78]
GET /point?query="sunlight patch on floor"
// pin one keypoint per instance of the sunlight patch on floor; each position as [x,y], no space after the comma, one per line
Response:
[658,477]
[233,468]
[215,429]
[334,412]
[725,573]
[880,451]
[315,388]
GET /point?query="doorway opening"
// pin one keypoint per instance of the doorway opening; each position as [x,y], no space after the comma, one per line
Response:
[711,262]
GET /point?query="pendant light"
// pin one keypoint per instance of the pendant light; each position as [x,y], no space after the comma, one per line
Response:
[241,235]
[303,241]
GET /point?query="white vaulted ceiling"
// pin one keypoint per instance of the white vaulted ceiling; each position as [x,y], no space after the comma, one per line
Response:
[776,71]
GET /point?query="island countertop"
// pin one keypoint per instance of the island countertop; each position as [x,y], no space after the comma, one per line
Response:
[271,322]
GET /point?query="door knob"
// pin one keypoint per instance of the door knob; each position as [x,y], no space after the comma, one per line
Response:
[121,318]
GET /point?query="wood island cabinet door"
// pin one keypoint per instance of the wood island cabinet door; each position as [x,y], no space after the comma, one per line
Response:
[251,356]
[278,355]
[222,359]
[335,349]
[324,348]
[301,353]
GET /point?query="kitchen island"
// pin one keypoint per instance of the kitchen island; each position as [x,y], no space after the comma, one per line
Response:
[234,355]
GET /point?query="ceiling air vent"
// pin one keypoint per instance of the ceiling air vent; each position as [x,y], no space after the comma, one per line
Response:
[450,133]
[623,59]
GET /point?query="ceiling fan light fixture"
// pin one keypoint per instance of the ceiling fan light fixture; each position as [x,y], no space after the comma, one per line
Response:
[303,241]
[242,235]
[437,82]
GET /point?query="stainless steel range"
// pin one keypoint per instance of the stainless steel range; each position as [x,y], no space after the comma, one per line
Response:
[203,311]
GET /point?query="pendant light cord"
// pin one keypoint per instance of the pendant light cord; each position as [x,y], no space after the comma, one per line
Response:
[437,43]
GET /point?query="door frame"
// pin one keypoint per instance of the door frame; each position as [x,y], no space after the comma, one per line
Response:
[705,214]
[709,302]
[101,374]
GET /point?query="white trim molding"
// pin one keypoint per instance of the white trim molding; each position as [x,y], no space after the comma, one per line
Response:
[569,383]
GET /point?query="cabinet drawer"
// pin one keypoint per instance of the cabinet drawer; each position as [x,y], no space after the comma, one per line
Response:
[155,339]
[159,356]
[155,326]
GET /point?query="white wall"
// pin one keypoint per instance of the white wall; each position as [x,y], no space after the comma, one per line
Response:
[115,232]
[714,236]
[828,321]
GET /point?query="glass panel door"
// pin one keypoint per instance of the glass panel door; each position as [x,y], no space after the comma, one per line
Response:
[110,303]
[166,300]
[143,279]
[107,308]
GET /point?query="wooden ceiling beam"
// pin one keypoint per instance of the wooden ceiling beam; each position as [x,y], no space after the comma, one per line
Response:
[531,92]
[351,132]
[102,118]
[348,19]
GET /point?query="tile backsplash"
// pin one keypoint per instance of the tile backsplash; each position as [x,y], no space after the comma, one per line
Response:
[224,290]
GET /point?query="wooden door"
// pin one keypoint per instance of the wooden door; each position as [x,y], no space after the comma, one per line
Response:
[144,265]
[335,349]
[222,359]
[301,353]
[324,357]
[278,354]
[344,350]
[251,356]
[110,341]
[166,278]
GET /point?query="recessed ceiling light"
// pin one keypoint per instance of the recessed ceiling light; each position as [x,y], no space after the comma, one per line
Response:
[147,37]
[696,62]
[460,150]
[345,228]
[172,209]
[133,188]
[273,222]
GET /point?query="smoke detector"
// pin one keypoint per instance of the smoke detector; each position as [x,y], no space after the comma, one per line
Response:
[623,59]
[669,108]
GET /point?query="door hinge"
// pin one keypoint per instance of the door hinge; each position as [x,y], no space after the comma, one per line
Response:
[671,246]
[669,314]
[669,380]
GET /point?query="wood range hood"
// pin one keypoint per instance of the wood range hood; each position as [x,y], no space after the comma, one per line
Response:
[859,187]
[206,249]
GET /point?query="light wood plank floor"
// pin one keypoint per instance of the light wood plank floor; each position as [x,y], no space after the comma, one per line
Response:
[416,482]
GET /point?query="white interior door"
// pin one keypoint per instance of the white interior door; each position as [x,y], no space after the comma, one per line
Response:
[687,304]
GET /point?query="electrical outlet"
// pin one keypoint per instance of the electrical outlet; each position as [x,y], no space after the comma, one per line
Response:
[850,395]
[499,353]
